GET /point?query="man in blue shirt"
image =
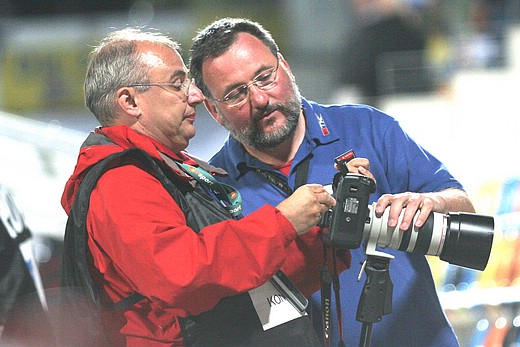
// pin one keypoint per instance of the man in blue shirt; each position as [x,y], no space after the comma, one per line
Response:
[275,133]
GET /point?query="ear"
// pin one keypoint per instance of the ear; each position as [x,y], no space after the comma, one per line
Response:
[213,111]
[285,65]
[126,100]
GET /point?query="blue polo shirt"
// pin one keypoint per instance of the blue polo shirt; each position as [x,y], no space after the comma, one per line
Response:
[398,165]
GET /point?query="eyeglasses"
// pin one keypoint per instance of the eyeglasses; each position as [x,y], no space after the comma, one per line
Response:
[172,87]
[264,81]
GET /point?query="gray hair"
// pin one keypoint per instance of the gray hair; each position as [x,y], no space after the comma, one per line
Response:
[217,38]
[115,63]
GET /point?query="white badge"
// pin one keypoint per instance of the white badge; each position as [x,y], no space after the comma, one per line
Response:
[272,307]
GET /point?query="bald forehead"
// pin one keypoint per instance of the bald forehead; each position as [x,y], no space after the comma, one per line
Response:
[157,55]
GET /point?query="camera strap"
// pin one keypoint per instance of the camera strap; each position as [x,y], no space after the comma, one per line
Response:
[337,295]
[302,172]
[329,281]
[326,282]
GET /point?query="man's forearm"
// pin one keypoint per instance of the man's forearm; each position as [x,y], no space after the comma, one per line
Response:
[456,201]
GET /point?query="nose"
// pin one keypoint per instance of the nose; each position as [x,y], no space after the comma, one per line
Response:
[258,97]
[195,95]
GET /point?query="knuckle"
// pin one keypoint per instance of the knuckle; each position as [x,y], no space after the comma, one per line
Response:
[385,197]
[413,201]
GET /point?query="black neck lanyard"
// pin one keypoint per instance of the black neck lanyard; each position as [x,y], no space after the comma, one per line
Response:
[275,180]
[328,280]
[302,173]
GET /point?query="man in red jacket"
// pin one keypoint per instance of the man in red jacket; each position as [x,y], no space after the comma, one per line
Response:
[202,273]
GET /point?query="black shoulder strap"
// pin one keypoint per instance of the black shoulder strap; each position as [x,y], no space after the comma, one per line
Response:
[302,172]
[75,272]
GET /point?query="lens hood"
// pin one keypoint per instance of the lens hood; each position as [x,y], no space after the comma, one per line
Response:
[469,240]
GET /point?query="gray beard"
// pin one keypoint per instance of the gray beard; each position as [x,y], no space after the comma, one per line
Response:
[253,137]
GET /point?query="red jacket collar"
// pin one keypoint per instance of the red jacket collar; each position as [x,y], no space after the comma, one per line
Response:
[121,138]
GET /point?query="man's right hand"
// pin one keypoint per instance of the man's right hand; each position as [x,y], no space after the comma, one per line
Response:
[305,206]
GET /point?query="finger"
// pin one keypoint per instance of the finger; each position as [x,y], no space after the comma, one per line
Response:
[408,215]
[382,204]
[367,173]
[326,199]
[411,207]
[396,208]
[356,163]
[421,218]
[426,209]
[315,188]
[330,201]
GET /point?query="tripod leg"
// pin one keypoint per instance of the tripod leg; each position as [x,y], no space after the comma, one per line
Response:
[366,334]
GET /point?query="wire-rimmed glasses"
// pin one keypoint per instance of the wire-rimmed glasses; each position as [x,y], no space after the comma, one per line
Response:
[172,87]
[265,80]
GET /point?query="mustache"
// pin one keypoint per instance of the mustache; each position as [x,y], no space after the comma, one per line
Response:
[259,114]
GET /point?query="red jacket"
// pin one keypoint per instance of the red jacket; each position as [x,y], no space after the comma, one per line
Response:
[140,242]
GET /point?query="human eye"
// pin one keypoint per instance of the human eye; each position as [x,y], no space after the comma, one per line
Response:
[265,78]
[236,94]
[176,85]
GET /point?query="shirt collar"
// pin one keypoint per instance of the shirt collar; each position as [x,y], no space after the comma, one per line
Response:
[242,161]
[319,127]
[126,137]
[317,130]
